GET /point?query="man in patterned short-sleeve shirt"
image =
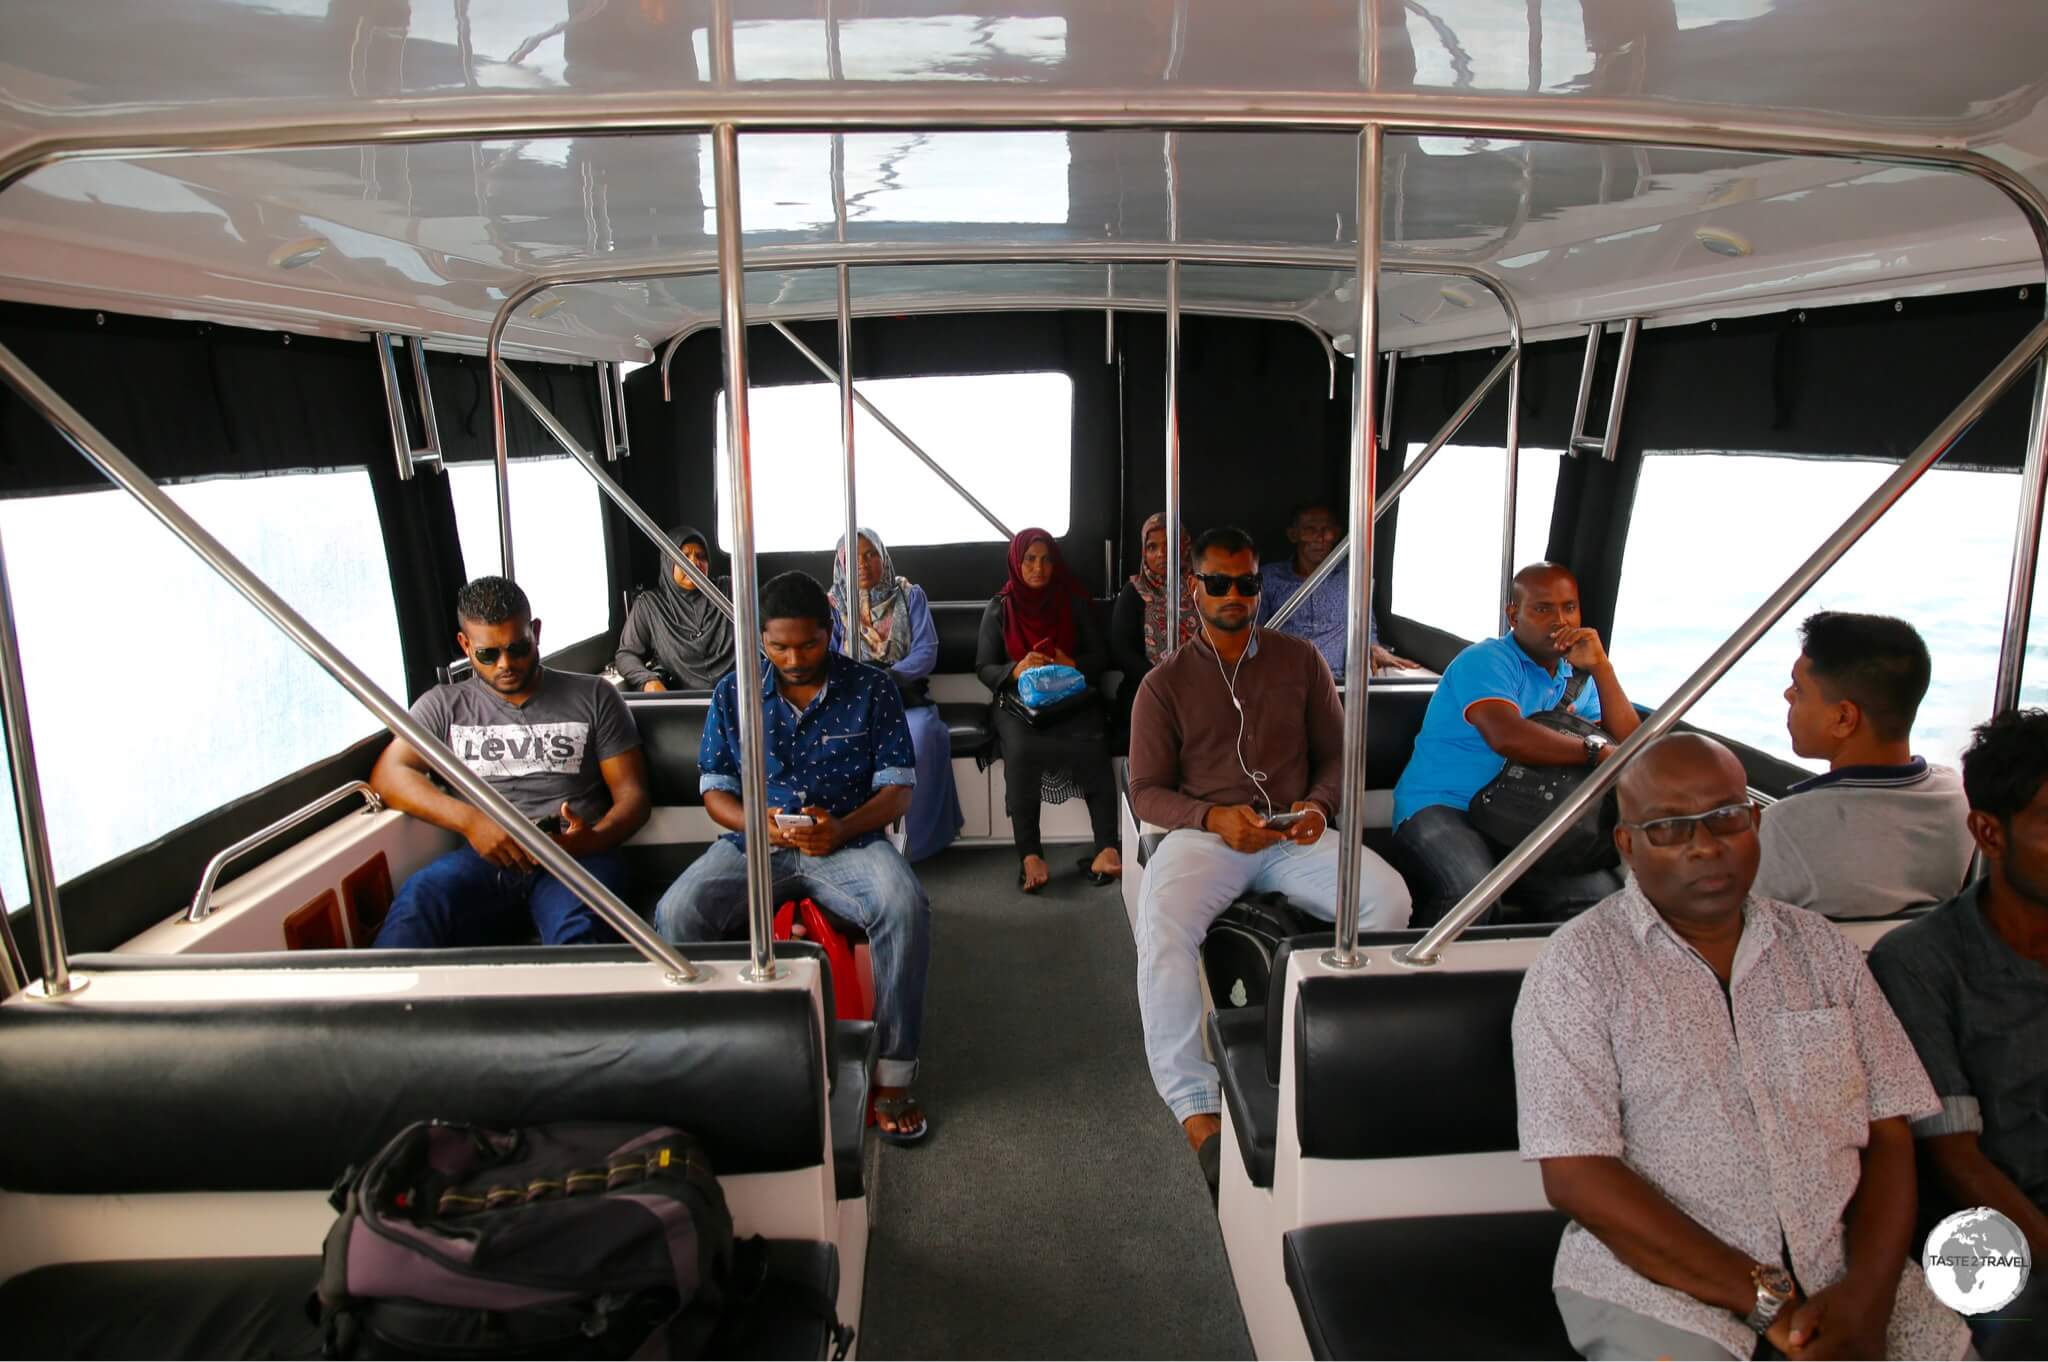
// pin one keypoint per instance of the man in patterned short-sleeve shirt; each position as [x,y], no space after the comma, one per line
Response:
[837,748]
[1719,1096]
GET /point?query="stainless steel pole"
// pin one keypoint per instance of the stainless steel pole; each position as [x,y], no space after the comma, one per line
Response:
[746,587]
[117,466]
[1952,428]
[1585,399]
[853,587]
[28,803]
[1364,449]
[860,399]
[503,462]
[1610,439]
[1445,433]
[2026,554]
[1511,488]
[620,498]
[13,969]
[1174,566]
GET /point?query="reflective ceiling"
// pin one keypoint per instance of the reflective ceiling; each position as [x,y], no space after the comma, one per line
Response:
[433,237]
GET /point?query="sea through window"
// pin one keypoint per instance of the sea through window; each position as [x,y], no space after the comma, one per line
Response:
[1712,534]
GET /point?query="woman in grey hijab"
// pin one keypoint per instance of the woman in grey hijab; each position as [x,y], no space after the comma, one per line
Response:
[675,638]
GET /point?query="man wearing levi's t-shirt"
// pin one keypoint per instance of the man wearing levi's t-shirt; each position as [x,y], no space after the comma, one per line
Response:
[559,745]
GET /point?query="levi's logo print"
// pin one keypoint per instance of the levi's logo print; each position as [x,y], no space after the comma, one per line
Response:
[505,750]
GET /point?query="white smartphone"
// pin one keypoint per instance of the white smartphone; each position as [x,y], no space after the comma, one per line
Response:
[794,820]
[1280,822]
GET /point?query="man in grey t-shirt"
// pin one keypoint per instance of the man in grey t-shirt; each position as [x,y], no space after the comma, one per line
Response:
[559,745]
[1881,830]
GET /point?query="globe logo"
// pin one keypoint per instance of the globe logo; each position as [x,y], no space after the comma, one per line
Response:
[1976,1261]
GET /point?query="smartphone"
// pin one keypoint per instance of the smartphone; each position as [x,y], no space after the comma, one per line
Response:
[550,825]
[1280,822]
[794,820]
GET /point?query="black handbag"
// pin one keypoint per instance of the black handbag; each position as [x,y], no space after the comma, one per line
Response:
[1047,716]
[1510,806]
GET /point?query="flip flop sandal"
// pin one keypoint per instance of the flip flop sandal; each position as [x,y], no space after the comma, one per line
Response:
[1086,865]
[893,1109]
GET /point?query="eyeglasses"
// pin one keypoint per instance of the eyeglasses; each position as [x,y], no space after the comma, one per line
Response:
[1726,821]
[1219,583]
[518,651]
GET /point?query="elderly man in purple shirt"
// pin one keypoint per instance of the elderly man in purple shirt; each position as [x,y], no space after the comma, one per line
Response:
[1719,1097]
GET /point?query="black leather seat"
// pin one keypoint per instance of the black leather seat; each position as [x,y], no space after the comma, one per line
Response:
[1237,1038]
[1366,1290]
[743,1071]
[1246,1041]
[967,730]
[256,1308]
[854,1046]
[671,734]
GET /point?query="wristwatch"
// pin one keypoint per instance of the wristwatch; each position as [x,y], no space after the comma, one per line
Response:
[1594,742]
[1774,1288]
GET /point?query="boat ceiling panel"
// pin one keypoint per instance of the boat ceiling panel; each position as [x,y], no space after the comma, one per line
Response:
[435,236]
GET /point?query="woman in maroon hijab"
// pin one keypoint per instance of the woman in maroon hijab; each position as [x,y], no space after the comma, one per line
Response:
[1042,618]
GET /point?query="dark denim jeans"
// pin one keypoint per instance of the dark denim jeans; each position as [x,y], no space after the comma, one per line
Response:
[461,899]
[1447,857]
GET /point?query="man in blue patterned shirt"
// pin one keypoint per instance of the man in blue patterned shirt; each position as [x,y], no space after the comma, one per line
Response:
[838,749]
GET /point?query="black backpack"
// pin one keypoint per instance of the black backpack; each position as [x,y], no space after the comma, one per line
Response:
[578,1239]
[1509,807]
[1237,954]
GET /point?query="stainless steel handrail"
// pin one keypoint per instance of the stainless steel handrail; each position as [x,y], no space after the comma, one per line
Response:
[13,969]
[202,901]
[618,495]
[832,375]
[1364,470]
[732,311]
[1507,363]
[410,459]
[103,455]
[1511,867]
[850,544]
[1608,442]
[28,805]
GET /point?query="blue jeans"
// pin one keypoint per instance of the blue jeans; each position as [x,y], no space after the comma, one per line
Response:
[871,886]
[461,899]
[1451,858]
[1190,879]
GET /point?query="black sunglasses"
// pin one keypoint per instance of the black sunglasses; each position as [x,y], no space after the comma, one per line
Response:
[1219,583]
[518,651]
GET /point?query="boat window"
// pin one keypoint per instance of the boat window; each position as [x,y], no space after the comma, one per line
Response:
[1713,534]
[1008,438]
[557,541]
[158,693]
[1447,551]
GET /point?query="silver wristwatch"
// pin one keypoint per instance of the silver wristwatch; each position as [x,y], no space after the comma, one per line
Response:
[1774,1288]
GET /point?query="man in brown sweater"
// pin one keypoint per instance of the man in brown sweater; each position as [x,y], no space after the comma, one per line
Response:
[1229,734]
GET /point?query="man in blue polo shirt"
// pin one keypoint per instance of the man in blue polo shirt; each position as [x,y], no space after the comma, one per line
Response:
[1478,720]
[838,750]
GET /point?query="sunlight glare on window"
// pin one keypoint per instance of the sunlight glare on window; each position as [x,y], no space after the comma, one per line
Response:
[1447,549]
[1006,437]
[156,693]
[557,541]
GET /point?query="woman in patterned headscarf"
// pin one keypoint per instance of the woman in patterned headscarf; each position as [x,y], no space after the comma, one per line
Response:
[1137,626]
[894,621]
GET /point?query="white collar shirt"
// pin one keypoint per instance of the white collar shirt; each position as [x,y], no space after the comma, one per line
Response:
[1748,1109]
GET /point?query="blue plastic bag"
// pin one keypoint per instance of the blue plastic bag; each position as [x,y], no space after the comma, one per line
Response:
[1042,686]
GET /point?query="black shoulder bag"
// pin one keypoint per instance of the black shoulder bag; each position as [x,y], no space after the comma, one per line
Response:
[1508,807]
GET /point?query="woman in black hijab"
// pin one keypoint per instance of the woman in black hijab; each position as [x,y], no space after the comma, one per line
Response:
[675,638]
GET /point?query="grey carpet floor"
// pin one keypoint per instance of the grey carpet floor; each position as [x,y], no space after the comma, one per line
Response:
[1055,1210]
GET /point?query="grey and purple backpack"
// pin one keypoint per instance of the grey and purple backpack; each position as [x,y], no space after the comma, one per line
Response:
[578,1239]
